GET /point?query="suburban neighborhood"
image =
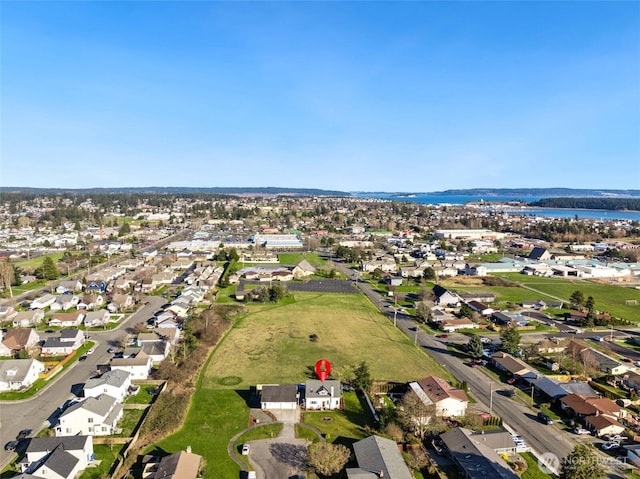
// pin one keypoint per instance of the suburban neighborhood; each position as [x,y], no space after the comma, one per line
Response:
[457,339]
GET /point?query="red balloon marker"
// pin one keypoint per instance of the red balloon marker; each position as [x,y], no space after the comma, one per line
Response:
[322,369]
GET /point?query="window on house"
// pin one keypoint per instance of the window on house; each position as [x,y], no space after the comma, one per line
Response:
[90,420]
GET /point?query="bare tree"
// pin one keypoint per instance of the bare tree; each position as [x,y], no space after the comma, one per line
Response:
[6,276]
[415,415]
[328,459]
[589,362]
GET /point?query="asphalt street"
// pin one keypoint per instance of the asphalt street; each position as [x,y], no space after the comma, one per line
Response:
[522,420]
[38,412]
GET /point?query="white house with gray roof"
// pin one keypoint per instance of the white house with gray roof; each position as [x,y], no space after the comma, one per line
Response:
[324,395]
[138,366]
[19,373]
[378,457]
[94,416]
[115,383]
[57,457]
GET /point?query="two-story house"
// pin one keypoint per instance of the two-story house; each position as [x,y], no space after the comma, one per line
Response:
[94,416]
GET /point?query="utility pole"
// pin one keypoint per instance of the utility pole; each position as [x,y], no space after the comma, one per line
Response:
[490,397]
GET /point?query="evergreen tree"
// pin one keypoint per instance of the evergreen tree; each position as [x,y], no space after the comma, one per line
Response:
[510,340]
[577,299]
[582,463]
[48,270]
[475,349]
[125,229]
[362,377]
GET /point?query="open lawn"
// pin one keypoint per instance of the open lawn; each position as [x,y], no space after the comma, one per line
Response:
[294,258]
[215,416]
[608,297]
[37,262]
[342,427]
[107,456]
[271,344]
[533,470]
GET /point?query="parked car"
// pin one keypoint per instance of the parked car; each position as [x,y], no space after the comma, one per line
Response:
[11,446]
[23,434]
[443,336]
[509,393]
[598,338]
[91,351]
[82,358]
[616,438]
[544,418]
[610,446]
[111,350]
[581,431]
[245,449]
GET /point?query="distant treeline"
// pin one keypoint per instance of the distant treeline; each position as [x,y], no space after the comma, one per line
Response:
[176,190]
[610,204]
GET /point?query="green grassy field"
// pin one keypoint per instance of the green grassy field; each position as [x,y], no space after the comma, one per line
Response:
[294,258]
[37,262]
[342,427]
[608,297]
[271,343]
[215,416]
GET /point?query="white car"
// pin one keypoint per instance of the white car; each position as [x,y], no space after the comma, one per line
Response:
[245,449]
[91,351]
[581,431]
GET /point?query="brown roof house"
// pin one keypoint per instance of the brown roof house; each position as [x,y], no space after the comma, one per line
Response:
[181,465]
[448,401]
[16,340]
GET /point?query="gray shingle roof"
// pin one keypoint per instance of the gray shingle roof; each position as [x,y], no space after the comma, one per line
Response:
[281,393]
[314,388]
[70,443]
[100,405]
[115,378]
[377,454]
[60,461]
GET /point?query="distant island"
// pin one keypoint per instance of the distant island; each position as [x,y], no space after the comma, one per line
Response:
[608,204]
[534,192]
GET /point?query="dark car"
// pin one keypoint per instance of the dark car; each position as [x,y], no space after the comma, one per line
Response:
[509,393]
[544,418]
[82,358]
[11,445]
[23,434]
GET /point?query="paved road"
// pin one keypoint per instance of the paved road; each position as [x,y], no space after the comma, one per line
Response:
[38,412]
[521,419]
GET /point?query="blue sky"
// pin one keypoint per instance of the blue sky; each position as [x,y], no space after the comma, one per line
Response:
[355,96]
